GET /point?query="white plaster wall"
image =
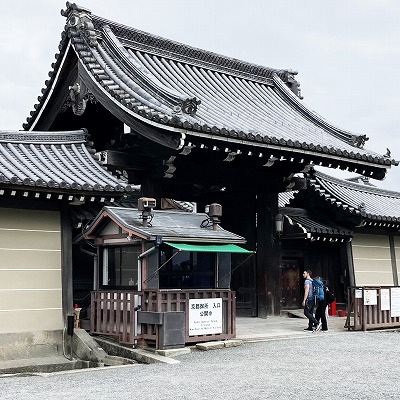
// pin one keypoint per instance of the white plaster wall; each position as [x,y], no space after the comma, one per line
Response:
[372,261]
[30,271]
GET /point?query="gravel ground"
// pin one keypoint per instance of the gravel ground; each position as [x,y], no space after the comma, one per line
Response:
[350,365]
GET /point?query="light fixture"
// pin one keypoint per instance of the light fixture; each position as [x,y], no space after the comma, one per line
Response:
[279,223]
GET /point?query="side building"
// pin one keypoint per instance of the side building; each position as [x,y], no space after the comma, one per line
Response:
[43,176]
[347,232]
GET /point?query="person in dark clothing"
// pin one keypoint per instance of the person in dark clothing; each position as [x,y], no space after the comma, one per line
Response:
[309,302]
[320,312]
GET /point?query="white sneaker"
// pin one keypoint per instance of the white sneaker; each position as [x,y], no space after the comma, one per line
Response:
[319,326]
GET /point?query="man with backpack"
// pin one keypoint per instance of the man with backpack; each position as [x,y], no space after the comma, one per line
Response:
[309,301]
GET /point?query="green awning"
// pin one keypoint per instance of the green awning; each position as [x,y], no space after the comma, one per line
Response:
[208,248]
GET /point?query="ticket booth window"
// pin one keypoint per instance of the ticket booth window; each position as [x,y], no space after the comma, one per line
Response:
[187,270]
[120,267]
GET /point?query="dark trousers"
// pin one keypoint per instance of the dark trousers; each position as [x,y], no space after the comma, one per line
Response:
[308,312]
[320,314]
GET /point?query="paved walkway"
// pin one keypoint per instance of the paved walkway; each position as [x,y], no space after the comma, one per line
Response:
[350,365]
[261,329]
[247,330]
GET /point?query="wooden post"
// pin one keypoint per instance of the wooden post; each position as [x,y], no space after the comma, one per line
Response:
[363,313]
[66,262]
[349,251]
[151,188]
[268,256]
[393,258]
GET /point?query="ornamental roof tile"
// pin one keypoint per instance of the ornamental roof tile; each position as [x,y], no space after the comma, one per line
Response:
[179,88]
[56,161]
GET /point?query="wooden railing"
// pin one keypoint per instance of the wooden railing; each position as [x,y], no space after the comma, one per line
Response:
[178,300]
[373,308]
[113,313]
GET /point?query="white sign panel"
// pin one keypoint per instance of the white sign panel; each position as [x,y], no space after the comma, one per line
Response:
[370,297]
[385,299]
[395,302]
[205,316]
[358,293]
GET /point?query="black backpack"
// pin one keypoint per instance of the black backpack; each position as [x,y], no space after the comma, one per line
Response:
[329,297]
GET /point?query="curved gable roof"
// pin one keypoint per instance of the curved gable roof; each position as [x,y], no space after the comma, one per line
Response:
[369,202]
[156,82]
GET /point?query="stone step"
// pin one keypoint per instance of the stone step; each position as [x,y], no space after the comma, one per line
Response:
[116,360]
[38,365]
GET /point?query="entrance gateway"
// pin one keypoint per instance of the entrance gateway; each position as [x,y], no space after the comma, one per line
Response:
[185,123]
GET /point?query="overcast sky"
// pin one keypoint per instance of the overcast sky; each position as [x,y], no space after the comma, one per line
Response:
[346,52]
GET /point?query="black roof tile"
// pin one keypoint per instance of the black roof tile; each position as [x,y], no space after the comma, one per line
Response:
[174,85]
[169,225]
[60,161]
[370,202]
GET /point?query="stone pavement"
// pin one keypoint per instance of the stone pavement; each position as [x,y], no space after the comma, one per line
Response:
[261,329]
[248,330]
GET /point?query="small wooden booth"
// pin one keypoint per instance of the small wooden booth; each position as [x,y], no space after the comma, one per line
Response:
[162,277]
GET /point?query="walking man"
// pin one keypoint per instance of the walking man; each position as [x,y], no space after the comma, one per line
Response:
[309,301]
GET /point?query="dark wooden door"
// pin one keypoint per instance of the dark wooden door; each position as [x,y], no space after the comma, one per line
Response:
[291,283]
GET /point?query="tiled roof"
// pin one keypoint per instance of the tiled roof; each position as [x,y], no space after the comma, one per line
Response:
[364,180]
[372,204]
[284,198]
[54,161]
[314,228]
[169,225]
[186,206]
[198,94]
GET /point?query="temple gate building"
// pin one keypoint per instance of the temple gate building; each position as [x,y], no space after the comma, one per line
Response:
[191,125]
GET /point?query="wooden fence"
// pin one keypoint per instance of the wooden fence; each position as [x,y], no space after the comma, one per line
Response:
[113,313]
[178,300]
[373,308]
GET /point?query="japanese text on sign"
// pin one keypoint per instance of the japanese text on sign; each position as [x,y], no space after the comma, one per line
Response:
[205,316]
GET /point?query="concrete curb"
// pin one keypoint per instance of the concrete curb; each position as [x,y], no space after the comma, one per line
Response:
[218,345]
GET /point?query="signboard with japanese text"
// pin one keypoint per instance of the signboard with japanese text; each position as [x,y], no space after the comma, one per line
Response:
[385,299]
[359,294]
[205,316]
[395,302]
[370,297]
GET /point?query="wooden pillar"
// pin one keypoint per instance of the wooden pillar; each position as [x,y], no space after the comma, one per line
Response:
[151,188]
[393,258]
[352,276]
[66,262]
[268,256]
